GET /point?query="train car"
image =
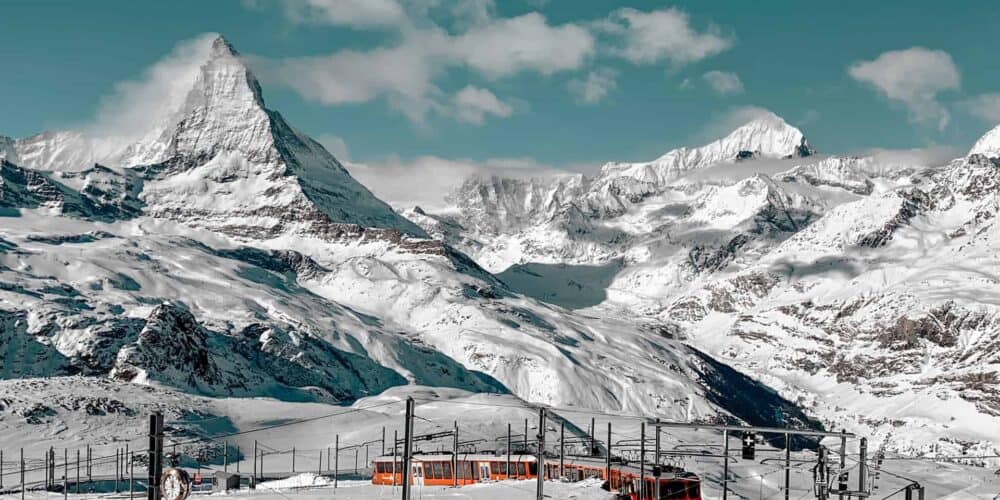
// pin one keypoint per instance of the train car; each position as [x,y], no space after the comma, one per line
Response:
[439,469]
[436,469]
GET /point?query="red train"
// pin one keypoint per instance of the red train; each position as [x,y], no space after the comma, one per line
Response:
[435,469]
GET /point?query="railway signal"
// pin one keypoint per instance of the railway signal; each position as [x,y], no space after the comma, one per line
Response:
[749,445]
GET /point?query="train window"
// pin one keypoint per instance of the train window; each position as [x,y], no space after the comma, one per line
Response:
[503,468]
[520,469]
[446,470]
[435,470]
[494,467]
[470,471]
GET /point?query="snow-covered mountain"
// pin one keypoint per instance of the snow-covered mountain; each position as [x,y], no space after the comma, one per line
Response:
[861,288]
[220,252]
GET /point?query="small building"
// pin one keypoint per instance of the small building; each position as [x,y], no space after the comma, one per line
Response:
[225,481]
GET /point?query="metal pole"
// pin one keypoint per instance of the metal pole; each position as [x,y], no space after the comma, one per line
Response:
[319,468]
[395,439]
[118,463]
[454,458]
[562,449]
[508,451]
[22,474]
[336,460]
[355,461]
[89,468]
[293,459]
[539,492]
[125,464]
[158,469]
[131,475]
[237,458]
[642,460]
[843,460]
[77,469]
[656,461]
[255,459]
[407,448]
[383,445]
[525,435]
[607,466]
[593,440]
[862,466]
[225,457]
[65,473]
[151,463]
[788,465]
[725,464]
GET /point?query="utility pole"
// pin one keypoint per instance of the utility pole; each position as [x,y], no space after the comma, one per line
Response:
[131,475]
[642,459]
[395,446]
[593,440]
[725,464]
[293,459]
[65,474]
[77,469]
[225,457]
[454,458]
[23,486]
[843,463]
[539,493]
[508,451]
[656,462]
[336,461]
[525,435]
[862,464]
[155,462]
[562,449]
[788,465]
[607,469]
[407,448]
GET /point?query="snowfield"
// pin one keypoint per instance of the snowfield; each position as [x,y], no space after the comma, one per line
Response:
[223,268]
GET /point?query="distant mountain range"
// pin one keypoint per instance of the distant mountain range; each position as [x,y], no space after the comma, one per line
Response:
[220,252]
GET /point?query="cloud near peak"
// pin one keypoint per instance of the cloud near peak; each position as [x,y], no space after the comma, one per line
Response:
[912,77]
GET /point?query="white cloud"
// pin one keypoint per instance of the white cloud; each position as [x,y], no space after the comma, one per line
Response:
[135,105]
[472,104]
[404,74]
[352,13]
[667,34]
[985,107]
[393,179]
[336,146]
[724,83]
[913,77]
[929,156]
[595,87]
[722,124]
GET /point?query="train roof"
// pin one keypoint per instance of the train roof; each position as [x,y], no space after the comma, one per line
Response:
[469,457]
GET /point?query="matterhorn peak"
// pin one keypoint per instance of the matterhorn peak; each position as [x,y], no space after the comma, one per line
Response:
[988,145]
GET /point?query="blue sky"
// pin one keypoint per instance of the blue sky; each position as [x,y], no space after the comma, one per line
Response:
[545,82]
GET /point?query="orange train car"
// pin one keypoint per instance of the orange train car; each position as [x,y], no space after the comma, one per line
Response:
[436,469]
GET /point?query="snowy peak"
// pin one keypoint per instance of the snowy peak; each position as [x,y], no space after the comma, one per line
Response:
[988,145]
[768,136]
